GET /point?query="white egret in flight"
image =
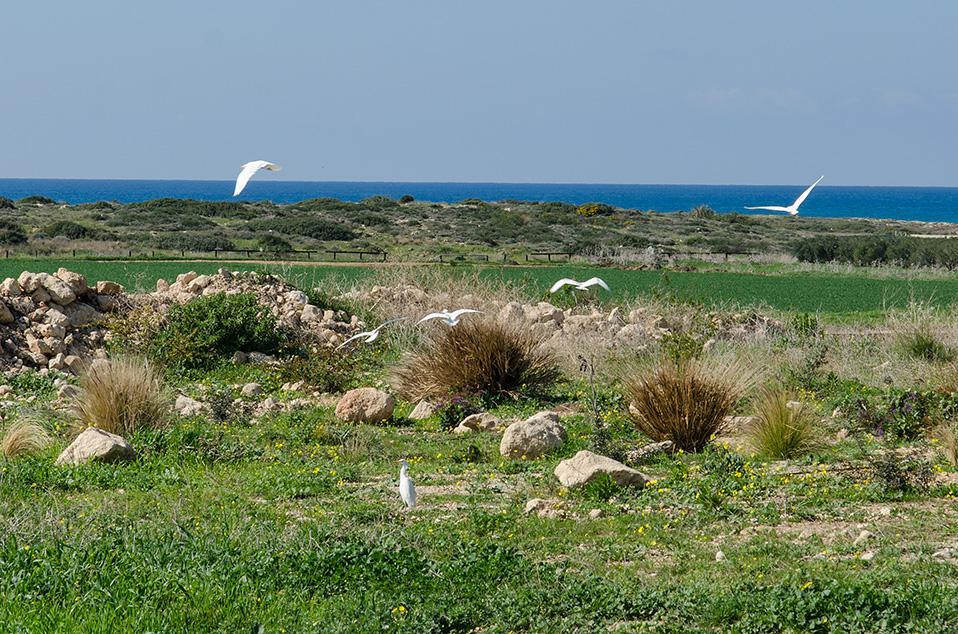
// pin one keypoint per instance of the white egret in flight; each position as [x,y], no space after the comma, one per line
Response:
[247,173]
[449,318]
[793,208]
[579,286]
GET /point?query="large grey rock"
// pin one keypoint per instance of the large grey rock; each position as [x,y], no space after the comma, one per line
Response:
[96,445]
[76,281]
[251,389]
[649,451]
[106,287]
[533,437]
[585,466]
[365,405]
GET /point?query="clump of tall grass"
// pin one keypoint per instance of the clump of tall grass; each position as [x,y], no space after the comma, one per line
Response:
[782,427]
[947,436]
[22,438]
[479,357]
[121,396]
[685,401]
[915,336]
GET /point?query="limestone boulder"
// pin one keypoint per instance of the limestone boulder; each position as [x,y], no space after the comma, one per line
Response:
[96,445]
[365,405]
[586,466]
[533,437]
[424,409]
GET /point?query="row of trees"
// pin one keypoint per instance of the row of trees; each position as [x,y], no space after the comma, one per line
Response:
[895,249]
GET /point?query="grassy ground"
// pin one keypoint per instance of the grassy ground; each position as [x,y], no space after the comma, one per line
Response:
[835,294]
[294,523]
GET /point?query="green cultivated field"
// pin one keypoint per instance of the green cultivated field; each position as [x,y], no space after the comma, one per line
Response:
[831,294]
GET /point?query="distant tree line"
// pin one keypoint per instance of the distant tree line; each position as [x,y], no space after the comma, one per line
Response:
[895,249]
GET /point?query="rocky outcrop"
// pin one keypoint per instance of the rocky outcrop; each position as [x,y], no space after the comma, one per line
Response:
[52,321]
[483,421]
[96,445]
[365,405]
[533,437]
[586,466]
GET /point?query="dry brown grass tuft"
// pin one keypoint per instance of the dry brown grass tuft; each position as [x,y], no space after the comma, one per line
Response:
[121,396]
[477,357]
[23,438]
[781,432]
[685,402]
[947,435]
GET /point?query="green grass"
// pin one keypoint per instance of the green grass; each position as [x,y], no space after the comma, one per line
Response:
[831,294]
[292,524]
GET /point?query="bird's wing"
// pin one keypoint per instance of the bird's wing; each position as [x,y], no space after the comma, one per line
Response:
[353,338]
[565,281]
[456,314]
[771,208]
[801,199]
[595,281]
[441,315]
[273,167]
[247,173]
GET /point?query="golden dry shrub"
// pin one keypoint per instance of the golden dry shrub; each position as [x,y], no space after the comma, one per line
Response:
[481,357]
[782,427]
[685,401]
[23,438]
[121,396]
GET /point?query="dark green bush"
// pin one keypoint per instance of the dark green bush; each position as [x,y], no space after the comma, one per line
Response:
[323,369]
[303,225]
[188,206]
[208,329]
[702,211]
[406,199]
[69,229]
[37,200]
[6,203]
[379,202]
[191,242]
[272,242]
[871,250]
[11,233]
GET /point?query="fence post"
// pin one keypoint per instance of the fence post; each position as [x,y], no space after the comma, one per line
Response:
[131,253]
[384,256]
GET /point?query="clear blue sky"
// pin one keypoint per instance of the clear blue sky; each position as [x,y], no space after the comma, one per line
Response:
[614,91]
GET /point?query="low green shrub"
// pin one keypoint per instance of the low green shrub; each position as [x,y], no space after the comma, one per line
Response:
[11,233]
[208,329]
[324,369]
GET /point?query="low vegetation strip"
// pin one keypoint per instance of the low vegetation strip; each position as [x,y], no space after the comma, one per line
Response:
[813,292]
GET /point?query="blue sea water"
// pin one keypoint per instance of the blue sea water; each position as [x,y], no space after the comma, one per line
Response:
[932,204]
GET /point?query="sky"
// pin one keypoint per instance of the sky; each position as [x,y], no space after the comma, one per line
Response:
[611,91]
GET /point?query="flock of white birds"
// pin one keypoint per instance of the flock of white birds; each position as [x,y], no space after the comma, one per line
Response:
[407,488]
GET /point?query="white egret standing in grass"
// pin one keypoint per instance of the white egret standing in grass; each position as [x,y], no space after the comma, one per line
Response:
[247,173]
[370,335]
[579,286]
[407,488]
[792,209]
[449,318]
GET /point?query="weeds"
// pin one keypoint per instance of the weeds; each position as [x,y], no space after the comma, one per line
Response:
[23,438]
[780,431]
[121,396]
[683,402]
[478,357]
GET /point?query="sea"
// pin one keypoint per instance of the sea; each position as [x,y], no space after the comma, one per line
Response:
[930,204]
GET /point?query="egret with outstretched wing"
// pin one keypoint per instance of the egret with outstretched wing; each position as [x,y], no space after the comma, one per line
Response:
[579,286]
[247,173]
[370,335]
[449,318]
[793,208]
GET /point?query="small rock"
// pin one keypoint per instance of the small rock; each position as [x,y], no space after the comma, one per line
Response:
[259,357]
[365,405]
[863,537]
[251,389]
[595,514]
[6,317]
[6,390]
[649,451]
[239,358]
[96,445]
[719,555]
[67,392]
[186,406]
[483,421]
[424,409]
[868,555]
[585,466]
[106,287]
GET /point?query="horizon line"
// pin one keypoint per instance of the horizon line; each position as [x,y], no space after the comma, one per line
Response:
[478,182]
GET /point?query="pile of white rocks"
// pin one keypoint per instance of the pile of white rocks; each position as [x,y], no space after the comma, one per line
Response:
[57,321]
[53,321]
[290,305]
